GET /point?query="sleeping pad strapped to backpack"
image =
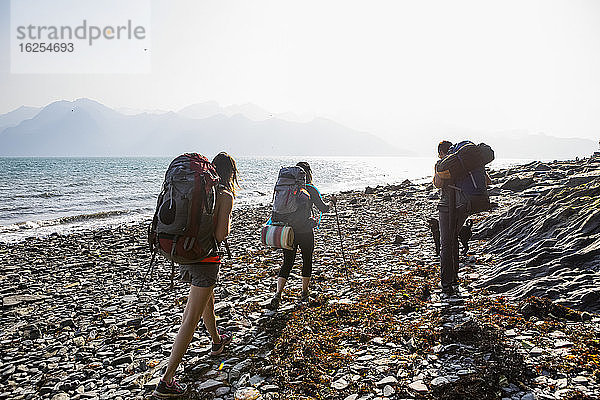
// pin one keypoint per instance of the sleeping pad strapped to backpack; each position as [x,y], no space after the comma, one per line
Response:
[466,164]
[183,226]
[289,197]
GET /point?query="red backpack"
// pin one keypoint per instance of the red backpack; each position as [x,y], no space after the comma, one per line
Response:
[182,229]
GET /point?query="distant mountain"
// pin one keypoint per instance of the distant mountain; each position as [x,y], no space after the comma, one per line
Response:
[15,117]
[539,146]
[248,110]
[202,110]
[509,144]
[87,128]
[211,108]
[135,111]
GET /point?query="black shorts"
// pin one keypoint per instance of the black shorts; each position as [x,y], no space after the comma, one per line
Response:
[201,275]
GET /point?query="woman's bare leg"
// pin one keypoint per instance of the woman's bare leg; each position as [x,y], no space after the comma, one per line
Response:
[210,320]
[280,285]
[194,309]
[305,282]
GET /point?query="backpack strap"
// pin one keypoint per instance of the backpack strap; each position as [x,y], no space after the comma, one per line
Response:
[227,247]
[173,262]
[469,172]
[217,248]
[152,236]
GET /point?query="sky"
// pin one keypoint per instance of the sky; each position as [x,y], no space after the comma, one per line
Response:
[402,70]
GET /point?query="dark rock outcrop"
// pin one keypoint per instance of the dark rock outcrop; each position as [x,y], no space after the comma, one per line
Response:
[548,244]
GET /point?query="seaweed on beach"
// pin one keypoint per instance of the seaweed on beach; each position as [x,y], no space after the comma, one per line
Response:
[314,344]
[311,346]
[544,308]
[316,341]
[547,319]
[497,364]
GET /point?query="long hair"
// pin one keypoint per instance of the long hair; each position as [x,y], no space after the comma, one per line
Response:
[304,165]
[227,170]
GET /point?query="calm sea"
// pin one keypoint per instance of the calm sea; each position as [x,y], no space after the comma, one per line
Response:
[39,196]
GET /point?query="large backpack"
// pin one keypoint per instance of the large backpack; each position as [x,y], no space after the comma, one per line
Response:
[290,195]
[466,163]
[464,157]
[183,225]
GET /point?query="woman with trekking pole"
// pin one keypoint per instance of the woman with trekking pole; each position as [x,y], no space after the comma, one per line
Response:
[302,224]
[202,278]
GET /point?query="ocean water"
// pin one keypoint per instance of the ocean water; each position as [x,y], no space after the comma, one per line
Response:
[39,196]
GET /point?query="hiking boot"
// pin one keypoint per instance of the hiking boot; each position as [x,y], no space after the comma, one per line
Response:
[275,302]
[217,348]
[169,391]
[305,295]
[448,290]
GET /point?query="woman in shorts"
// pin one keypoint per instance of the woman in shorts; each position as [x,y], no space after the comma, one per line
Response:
[202,278]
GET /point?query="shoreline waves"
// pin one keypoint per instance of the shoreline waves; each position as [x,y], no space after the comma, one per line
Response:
[41,196]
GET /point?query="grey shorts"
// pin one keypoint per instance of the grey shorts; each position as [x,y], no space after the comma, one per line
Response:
[201,275]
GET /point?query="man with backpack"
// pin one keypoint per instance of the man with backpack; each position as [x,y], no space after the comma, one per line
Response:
[460,174]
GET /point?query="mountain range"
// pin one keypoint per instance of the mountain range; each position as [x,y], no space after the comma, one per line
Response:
[86,127]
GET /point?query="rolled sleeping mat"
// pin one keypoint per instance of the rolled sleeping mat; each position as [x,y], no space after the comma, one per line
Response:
[278,236]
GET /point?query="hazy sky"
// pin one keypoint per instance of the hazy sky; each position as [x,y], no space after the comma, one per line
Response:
[399,69]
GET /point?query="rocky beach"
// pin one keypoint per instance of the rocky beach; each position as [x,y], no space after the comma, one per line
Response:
[524,326]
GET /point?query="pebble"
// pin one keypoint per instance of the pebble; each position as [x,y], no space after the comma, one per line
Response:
[388,380]
[388,391]
[580,380]
[562,343]
[210,384]
[247,393]
[340,384]
[418,386]
[536,351]
[439,381]
[222,391]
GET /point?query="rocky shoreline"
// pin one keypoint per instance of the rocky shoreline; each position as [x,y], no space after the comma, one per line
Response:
[74,327]
[548,242]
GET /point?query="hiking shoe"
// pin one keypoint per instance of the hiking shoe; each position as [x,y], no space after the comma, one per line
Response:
[169,391]
[448,290]
[275,302]
[305,295]
[217,348]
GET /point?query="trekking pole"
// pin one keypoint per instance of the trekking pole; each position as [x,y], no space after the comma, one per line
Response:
[149,271]
[227,248]
[337,218]
[452,229]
